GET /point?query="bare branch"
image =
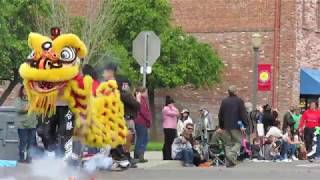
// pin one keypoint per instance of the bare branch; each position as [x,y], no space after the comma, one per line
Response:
[95,31]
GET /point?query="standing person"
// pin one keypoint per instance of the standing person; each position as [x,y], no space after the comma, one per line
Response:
[59,130]
[183,121]
[26,128]
[131,108]
[255,118]
[309,121]
[170,115]
[232,113]
[118,154]
[267,117]
[288,119]
[87,70]
[110,71]
[142,124]
[296,117]
[204,124]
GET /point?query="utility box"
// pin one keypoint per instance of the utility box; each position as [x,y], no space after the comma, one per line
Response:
[9,139]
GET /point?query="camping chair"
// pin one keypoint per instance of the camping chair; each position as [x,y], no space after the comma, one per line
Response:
[216,152]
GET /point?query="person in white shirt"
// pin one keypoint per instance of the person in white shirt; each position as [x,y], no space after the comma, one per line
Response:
[275,131]
[183,121]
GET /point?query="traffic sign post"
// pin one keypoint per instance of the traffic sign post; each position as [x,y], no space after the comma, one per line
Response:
[146,50]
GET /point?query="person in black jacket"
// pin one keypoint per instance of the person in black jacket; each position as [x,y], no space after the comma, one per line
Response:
[232,120]
[267,117]
[131,108]
[120,154]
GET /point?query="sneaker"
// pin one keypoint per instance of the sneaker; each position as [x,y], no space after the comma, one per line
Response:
[124,164]
[255,160]
[313,151]
[294,158]
[188,165]
[134,161]
[317,158]
[143,160]
[311,160]
[191,165]
[116,167]
[286,160]
[133,165]
[22,161]
[230,164]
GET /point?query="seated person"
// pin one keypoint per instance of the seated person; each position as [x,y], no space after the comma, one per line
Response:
[272,149]
[290,143]
[275,130]
[256,149]
[182,147]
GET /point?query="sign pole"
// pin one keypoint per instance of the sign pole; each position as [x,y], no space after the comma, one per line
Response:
[145,63]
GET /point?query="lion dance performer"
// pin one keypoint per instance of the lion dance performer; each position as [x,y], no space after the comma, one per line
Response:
[51,74]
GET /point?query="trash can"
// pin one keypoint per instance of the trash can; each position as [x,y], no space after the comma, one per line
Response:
[9,139]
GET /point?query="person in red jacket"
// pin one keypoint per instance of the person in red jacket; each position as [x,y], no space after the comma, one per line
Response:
[309,120]
[142,123]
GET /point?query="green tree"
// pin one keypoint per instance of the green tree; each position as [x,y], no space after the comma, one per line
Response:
[17,20]
[183,60]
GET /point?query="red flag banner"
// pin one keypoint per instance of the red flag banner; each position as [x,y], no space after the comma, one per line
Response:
[264,77]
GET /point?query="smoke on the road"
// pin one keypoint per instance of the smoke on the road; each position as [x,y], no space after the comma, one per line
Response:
[55,169]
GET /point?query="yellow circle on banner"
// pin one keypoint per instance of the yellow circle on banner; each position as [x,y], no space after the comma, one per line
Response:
[264,76]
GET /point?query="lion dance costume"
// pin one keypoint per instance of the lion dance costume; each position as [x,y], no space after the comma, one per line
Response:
[52,71]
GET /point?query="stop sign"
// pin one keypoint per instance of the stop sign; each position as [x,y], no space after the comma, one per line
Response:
[146,48]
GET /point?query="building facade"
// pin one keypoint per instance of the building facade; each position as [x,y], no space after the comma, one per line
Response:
[291,40]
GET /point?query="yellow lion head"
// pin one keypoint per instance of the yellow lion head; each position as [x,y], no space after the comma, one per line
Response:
[49,67]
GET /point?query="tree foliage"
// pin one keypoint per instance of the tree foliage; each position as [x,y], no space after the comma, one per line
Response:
[14,32]
[183,59]
[17,20]
[108,30]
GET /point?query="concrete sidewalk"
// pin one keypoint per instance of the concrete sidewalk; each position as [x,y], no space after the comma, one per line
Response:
[155,161]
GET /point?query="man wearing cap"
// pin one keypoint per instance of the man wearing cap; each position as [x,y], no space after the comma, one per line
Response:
[232,123]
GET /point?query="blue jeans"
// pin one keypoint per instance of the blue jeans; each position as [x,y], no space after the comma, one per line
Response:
[284,150]
[292,150]
[141,141]
[186,155]
[318,147]
[27,140]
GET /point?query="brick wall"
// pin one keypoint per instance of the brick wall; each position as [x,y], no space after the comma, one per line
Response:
[227,26]
[287,94]
[308,34]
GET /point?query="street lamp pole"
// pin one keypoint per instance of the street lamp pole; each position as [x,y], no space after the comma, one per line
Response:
[255,77]
[256,43]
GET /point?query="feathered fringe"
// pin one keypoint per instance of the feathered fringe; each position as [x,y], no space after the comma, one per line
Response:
[41,103]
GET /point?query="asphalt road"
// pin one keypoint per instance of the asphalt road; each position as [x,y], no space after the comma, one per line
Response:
[158,170]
